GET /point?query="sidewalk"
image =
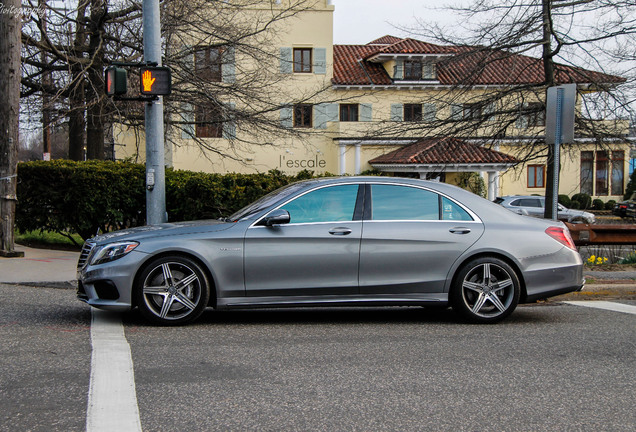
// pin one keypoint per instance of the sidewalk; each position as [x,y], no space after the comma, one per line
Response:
[39,266]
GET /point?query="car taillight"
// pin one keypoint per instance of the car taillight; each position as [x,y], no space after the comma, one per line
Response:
[562,235]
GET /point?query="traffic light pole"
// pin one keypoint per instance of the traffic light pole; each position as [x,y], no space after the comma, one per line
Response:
[155,157]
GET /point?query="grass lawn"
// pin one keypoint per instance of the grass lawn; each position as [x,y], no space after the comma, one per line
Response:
[48,240]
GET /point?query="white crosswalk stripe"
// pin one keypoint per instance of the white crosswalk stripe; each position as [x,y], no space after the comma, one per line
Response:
[112,398]
[605,305]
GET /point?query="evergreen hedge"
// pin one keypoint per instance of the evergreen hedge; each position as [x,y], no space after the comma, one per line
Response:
[81,197]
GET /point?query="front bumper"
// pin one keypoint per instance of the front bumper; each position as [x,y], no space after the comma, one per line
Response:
[110,285]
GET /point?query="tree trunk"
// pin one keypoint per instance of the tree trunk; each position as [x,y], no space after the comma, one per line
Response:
[10,43]
[77,100]
[95,94]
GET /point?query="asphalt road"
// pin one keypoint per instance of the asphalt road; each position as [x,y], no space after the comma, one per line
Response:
[548,367]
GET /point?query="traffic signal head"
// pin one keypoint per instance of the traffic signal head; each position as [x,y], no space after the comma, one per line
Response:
[155,81]
[116,81]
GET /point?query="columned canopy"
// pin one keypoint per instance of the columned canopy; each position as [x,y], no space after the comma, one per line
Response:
[428,157]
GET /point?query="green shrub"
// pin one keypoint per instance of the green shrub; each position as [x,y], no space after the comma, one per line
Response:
[598,204]
[584,200]
[565,201]
[609,205]
[84,197]
[575,205]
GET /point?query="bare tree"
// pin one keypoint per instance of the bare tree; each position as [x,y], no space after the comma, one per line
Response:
[513,51]
[240,86]
[10,22]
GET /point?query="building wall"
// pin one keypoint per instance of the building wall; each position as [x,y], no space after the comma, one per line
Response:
[317,148]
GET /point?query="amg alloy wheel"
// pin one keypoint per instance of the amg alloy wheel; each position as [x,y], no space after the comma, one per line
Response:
[172,290]
[486,290]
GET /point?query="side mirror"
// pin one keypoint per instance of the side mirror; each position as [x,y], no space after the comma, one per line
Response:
[277,217]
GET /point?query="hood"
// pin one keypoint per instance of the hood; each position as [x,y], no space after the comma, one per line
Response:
[161,230]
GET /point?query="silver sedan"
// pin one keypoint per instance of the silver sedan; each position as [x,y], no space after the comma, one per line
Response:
[336,241]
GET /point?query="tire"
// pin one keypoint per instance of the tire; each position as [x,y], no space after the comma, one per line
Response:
[485,290]
[172,290]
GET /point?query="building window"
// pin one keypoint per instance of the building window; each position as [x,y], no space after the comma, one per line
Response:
[302,60]
[618,172]
[602,179]
[412,112]
[536,176]
[207,63]
[587,172]
[601,175]
[536,114]
[348,112]
[413,70]
[302,115]
[472,111]
[209,121]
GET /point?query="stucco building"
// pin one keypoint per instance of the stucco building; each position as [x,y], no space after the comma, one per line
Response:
[394,105]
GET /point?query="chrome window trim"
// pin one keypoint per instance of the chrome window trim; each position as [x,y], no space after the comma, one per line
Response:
[255,224]
[476,219]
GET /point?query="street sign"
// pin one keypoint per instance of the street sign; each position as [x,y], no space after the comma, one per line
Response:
[155,81]
[560,105]
[116,81]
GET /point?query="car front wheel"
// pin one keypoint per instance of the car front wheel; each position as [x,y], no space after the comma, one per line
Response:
[172,290]
[486,290]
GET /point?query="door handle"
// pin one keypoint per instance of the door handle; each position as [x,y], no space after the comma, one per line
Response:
[460,230]
[340,231]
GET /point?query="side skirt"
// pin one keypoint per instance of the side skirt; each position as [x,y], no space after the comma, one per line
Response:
[423,299]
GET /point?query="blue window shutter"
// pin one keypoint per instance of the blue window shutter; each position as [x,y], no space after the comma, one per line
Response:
[187,115]
[397,112]
[229,124]
[366,112]
[320,61]
[429,112]
[333,112]
[228,68]
[320,116]
[286,114]
[286,61]
[398,72]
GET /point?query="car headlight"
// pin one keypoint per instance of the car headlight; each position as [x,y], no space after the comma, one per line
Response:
[112,251]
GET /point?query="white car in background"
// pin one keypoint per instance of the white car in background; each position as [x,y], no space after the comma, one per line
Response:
[531,205]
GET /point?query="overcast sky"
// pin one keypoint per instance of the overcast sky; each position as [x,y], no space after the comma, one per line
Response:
[361,21]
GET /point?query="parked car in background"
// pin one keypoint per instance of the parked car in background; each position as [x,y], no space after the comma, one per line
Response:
[531,205]
[356,241]
[621,207]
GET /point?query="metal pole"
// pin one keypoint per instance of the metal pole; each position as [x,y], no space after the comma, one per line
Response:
[557,157]
[155,168]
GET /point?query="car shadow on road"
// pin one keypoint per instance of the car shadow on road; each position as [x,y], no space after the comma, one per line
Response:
[336,315]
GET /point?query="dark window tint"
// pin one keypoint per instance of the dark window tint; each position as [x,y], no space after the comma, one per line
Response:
[302,115]
[207,63]
[413,112]
[527,202]
[209,121]
[348,112]
[390,202]
[330,204]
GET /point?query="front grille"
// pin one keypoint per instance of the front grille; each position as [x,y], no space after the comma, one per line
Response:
[86,251]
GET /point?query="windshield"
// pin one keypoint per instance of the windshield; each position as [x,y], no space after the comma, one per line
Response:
[268,200]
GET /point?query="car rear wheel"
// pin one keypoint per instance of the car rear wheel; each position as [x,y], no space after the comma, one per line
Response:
[172,290]
[486,290]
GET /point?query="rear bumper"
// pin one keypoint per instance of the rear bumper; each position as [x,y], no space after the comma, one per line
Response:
[542,284]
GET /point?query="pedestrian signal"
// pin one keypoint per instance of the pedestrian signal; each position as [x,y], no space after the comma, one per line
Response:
[155,81]
[116,81]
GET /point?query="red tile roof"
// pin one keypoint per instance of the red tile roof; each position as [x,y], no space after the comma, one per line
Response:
[433,151]
[469,66]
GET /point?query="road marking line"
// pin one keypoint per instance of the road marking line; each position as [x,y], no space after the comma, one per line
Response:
[112,399]
[605,305]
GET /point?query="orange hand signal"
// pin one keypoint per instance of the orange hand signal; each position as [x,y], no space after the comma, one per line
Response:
[147,80]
